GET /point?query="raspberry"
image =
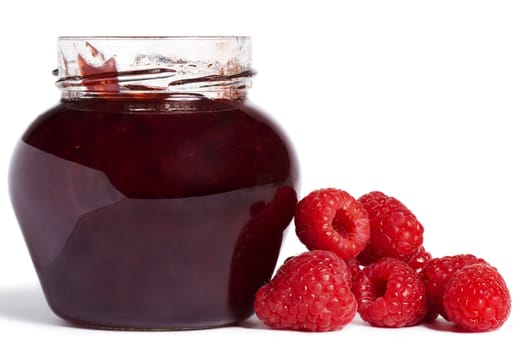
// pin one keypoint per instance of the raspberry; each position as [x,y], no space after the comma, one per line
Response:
[420,260]
[394,231]
[477,298]
[331,219]
[310,292]
[437,274]
[390,294]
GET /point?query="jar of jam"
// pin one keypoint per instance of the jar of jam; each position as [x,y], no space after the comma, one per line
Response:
[153,195]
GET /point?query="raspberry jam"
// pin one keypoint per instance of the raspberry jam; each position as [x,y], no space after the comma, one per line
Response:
[161,210]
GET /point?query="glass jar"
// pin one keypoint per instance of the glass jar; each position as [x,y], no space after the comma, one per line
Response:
[153,196]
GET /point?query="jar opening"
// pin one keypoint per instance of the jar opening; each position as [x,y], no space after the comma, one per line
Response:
[156,37]
[141,67]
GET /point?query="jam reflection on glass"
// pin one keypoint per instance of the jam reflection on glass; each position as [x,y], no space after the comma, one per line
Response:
[150,219]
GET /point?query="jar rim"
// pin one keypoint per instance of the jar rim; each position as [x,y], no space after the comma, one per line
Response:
[155,38]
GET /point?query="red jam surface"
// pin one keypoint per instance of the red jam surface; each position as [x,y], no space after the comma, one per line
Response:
[151,219]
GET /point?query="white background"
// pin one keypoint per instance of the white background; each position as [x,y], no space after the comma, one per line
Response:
[420,99]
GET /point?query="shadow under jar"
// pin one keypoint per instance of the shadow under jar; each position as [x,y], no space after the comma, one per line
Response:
[153,196]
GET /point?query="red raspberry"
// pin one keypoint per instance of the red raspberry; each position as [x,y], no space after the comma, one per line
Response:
[394,231]
[477,298]
[390,294]
[437,274]
[310,292]
[331,219]
[420,260]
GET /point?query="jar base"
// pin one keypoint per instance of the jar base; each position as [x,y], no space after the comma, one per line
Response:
[94,326]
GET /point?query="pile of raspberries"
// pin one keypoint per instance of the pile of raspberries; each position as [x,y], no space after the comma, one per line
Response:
[366,256]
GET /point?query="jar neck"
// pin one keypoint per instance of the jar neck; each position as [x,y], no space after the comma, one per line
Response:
[154,68]
[159,104]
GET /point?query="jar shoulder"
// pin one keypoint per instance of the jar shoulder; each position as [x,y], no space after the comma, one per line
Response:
[168,154]
[65,116]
